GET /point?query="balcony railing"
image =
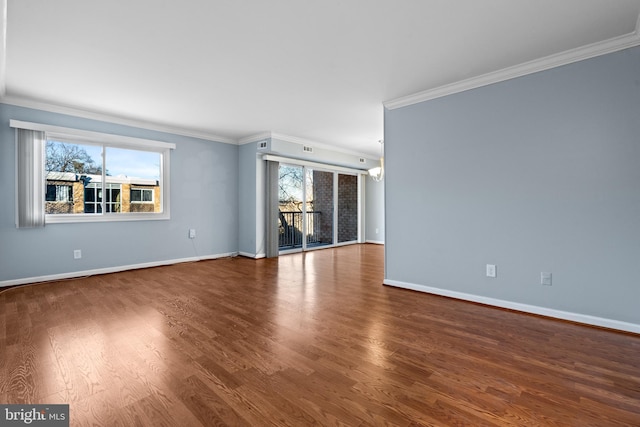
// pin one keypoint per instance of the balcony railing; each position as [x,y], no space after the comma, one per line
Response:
[290,229]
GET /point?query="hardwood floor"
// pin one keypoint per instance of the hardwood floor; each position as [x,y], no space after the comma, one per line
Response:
[306,339]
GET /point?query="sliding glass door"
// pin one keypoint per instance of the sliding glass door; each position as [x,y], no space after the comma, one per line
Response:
[319,192]
[290,207]
[310,203]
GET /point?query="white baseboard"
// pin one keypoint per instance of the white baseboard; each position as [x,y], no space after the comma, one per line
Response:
[543,311]
[375,242]
[74,274]
[250,255]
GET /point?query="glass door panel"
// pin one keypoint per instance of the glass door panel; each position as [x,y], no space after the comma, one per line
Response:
[319,208]
[290,207]
[347,208]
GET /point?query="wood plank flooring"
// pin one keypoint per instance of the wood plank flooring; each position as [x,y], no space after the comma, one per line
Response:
[306,339]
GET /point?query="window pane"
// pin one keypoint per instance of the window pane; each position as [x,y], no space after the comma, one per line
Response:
[89,194]
[93,198]
[133,163]
[132,169]
[68,168]
[290,191]
[319,208]
[62,193]
[51,193]
[113,198]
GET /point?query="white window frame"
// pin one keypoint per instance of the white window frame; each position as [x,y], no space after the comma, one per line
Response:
[76,136]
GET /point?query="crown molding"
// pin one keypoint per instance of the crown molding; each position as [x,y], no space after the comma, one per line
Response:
[295,139]
[254,138]
[52,108]
[38,105]
[552,61]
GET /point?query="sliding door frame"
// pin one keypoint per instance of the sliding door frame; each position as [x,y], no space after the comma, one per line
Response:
[336,170]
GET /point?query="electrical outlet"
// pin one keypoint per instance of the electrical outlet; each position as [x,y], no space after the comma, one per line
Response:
[492,270]
[545,278]
[192,233]
[77,254]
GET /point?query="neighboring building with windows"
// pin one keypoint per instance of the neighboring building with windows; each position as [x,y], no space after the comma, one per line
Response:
[72,193]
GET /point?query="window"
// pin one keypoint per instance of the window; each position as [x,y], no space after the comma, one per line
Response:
[58,197]
[91,176]
[59,193]
[112,201]
[99,176]
[141,195]
[93,198]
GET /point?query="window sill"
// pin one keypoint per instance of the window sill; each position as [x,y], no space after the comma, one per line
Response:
[78,218]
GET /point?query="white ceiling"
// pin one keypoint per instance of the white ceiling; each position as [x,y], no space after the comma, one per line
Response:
[316,70]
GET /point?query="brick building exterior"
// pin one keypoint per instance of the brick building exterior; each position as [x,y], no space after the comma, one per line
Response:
[347,206]
[70,193]
[323,203]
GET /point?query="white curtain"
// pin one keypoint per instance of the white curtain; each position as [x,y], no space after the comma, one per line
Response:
[30,146]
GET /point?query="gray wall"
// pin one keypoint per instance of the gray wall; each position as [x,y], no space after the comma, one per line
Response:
[204,196]
[539,173]
[374,209]
[247,178]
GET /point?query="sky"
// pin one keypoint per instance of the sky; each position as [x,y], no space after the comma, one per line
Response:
[133,163]
[130,163]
